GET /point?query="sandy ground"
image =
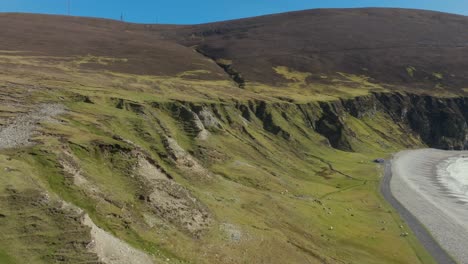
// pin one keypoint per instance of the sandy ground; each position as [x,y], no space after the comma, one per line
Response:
[419,230]
[416,185]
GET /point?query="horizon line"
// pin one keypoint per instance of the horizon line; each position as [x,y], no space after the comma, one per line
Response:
[226,20]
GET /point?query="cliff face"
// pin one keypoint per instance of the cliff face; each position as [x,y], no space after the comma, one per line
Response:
[436,122]
[439,122]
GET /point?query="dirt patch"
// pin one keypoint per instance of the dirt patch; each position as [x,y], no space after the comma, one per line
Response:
[171,201]
[232,232]
[19,131]
[149,171]
[112,250]
[176,204]
[109,249]
[184,161]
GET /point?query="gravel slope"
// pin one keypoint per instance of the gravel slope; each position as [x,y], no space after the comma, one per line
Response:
[19,130]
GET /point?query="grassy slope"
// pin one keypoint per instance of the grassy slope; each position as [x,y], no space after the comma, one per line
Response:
[282,195]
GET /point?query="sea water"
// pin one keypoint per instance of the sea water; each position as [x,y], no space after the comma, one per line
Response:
[453,173]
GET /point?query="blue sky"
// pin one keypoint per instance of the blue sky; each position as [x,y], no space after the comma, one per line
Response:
[192,11]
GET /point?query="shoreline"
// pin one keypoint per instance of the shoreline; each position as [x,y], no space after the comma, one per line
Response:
[434,214]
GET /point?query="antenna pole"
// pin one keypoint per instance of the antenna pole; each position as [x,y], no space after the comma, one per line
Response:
[68,7]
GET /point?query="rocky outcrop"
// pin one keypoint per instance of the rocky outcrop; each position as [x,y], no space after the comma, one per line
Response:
[332,126]
[440,122]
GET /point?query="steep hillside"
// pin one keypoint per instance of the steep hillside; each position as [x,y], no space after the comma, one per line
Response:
[120,143]
[410,48]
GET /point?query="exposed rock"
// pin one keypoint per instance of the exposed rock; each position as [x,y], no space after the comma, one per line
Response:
[208,119]
[331,126]
[440,122]
[192,122]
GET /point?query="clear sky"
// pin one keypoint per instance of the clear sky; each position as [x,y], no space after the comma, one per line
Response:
[201,11]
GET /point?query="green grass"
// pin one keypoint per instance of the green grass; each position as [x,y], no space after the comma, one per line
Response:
[410,71]
[6,259]
[295,76]
[438,76]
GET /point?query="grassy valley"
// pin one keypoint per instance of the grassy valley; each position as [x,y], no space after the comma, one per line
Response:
[163,144]
[252,165]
